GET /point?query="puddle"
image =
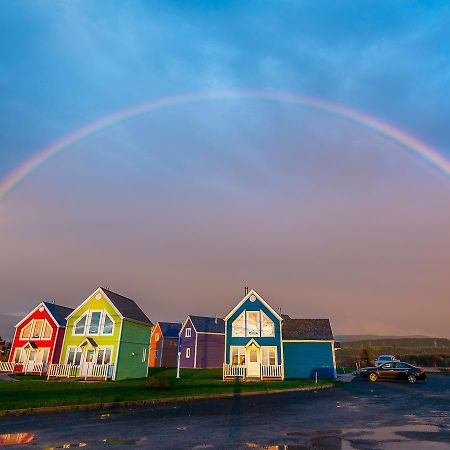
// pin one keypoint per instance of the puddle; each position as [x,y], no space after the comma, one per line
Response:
[16,438]
[96,444]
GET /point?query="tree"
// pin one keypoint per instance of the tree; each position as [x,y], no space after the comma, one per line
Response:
[367,357]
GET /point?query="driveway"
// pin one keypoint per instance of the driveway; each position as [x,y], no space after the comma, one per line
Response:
[358,415]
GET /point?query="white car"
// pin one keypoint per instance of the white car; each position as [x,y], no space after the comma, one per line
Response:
[385,358]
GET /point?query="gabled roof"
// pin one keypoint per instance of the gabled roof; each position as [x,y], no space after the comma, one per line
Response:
[58,312]
[127,307]
[253,292]
[170,329]
[307,329]
[208,324]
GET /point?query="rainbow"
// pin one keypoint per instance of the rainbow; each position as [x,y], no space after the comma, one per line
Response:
[406,140]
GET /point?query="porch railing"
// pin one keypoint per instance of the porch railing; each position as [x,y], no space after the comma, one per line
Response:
[234,371]
[103,371]
[36,368]
[7,367]
[271,371]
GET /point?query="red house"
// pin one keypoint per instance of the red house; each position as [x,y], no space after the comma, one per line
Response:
[164,345]
[38,339]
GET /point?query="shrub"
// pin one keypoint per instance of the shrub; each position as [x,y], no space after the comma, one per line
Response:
[158,383]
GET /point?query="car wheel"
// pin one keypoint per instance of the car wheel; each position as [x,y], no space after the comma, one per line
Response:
[373,376]
[411,378]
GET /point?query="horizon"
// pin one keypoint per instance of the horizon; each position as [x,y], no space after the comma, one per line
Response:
[180,206]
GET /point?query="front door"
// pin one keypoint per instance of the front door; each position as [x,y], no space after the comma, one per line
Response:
[31,361]
[87,362]
[254,362]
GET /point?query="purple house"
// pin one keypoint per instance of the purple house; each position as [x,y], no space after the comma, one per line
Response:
[202,342]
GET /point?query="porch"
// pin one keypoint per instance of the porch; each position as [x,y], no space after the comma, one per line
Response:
[242,371]
[87,371]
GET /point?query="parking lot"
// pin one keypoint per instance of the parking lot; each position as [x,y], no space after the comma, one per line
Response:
[357,415]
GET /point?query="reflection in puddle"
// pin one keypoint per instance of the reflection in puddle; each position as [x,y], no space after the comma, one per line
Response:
[16,438]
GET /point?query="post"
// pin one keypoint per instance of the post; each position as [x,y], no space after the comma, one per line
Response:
[316,376]
[178,365]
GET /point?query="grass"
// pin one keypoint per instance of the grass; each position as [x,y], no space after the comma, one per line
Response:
[32,392]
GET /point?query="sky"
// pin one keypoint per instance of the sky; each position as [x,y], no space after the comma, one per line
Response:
[181,207]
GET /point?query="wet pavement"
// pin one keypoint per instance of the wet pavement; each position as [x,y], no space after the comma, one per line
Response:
[358,415]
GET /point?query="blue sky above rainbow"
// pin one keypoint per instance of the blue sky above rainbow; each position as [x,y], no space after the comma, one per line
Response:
[325,123]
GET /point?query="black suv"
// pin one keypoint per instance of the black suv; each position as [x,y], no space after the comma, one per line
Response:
[393,371]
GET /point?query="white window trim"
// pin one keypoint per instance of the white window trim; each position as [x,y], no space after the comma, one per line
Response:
[188,352]
[262,314]
[233,334]
[144,354]
[87,325]
[268,347]
[188,332]
[156,337]
[238,347]
[32,324]
[260,324]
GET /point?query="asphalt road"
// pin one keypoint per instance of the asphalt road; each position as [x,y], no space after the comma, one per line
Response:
[358,415]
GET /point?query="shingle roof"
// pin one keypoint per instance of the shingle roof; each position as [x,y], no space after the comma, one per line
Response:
[127,307]
[208,324]
[307,329]
[170,329]
[59,312]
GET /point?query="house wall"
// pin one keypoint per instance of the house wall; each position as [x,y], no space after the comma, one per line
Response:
[155,345]
[55,358]
[132,362]
[187,342]
[303,359]
[170,352]
[263,341]
[210,350]
[19,343]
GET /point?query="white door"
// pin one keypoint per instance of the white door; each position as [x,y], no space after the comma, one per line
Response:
[253,364]
[31,361]
[87,362]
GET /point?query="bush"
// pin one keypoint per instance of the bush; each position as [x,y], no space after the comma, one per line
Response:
[158,383]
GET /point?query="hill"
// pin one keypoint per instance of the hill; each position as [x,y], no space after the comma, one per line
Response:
[423,351]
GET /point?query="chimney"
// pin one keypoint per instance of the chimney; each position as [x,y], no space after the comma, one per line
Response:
[215,320]
[245,290]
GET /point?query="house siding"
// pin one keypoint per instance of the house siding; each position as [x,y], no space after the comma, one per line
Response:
[135,338]
[210,350]
[304,359]
[256,305]
[170,352]
[155,346]
[187,342]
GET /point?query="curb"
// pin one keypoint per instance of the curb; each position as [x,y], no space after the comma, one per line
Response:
[153,402]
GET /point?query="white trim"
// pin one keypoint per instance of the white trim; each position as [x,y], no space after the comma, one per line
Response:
[253,292]
[231,353]
[282,351]
[34,310]
[89,298]
[277,363]
[195,350]
[188,353]
[184,324]
[119,342]
[252,342]
[188,332]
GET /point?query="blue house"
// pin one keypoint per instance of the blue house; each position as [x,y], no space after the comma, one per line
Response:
[260,343]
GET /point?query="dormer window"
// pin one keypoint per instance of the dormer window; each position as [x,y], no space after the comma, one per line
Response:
[80,325]
[108,325]
[94,323]
[37,330]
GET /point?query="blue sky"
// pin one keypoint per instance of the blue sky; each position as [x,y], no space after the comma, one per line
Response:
[223,194]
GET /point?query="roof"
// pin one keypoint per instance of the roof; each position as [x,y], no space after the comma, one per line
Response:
[59,312]
[127,307]
[208,324]
[170,329]
[307,329]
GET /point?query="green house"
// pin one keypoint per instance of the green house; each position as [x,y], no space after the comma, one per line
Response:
[107,337]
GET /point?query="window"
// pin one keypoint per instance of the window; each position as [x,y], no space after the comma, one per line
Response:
[108,325]
[238,326]
[156,337]
[94,323]
[45,354]
[38,326]
[74,356]
[388,366]
[269,356]
[144,354]
[253,324]
[17,355]
[100,355]
[80,325]
[268,327]
[47,333]
[26,331]
[188,352]
[107,358]
[156,353]
[237,356]
[188,332]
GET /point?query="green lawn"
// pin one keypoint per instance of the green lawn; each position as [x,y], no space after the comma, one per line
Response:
[32,392]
